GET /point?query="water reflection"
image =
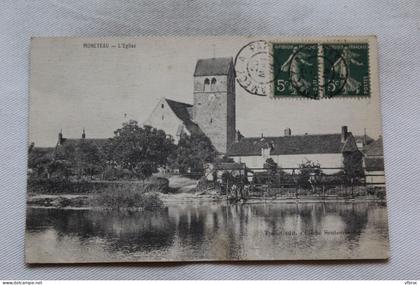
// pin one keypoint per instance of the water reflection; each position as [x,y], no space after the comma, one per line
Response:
[209,231]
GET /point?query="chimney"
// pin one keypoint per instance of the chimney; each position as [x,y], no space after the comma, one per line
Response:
[344,133]
[287,132]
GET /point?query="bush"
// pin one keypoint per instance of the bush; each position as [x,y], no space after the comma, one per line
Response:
[126,196]
[157,184]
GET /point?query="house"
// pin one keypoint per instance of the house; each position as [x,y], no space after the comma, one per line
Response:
[80,150]
[374,164]
[289,151]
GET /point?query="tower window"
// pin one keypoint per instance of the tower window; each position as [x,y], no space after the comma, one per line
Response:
[206,84]
[213,84]
[162,106]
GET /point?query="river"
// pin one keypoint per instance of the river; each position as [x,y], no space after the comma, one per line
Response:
[209,231]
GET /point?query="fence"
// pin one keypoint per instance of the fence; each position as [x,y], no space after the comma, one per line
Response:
[295,182]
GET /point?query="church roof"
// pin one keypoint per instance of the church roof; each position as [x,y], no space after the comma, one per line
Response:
[300,144]
[375,148]
[180,109]
[213,66]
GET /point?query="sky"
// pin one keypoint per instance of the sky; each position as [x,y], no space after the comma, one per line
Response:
[72,87]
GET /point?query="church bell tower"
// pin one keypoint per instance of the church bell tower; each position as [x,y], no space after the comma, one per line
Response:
[214,101]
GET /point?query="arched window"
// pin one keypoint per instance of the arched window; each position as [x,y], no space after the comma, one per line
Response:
[162,106]
[206,84]
[213,84]
[163,117]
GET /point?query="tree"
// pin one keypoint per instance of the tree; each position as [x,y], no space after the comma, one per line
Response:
[353,164]
[61,169]
[272,170]
[88,158]
[141,150]
[39,160]
[309,172]
[353,168]
[192,153]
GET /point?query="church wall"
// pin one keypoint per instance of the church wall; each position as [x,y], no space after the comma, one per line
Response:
[165,119]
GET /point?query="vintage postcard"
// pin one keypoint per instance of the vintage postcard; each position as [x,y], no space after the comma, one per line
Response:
[145,149]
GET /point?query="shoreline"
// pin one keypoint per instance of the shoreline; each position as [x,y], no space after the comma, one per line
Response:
[78,201]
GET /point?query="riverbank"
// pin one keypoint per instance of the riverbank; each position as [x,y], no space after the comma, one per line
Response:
[83,201]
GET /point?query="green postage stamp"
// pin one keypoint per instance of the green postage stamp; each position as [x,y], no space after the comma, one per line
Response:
[313,68]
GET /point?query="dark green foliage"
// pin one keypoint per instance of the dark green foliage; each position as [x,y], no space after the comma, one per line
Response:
[272,171]
[308,172]
[126,196]
[89,160]
[39,160]
[353,165]
[140,150]
[192,153]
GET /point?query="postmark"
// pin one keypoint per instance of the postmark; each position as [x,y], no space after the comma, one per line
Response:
[254,68]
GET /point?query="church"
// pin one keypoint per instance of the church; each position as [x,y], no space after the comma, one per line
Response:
[213,111]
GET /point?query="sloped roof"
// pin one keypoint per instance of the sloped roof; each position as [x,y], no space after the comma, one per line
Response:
[300,144]
[350,144]
[183,112]
[374,164]
[98,142]
[362,138]
[43,151]
[376,148]
[213,66]
[180,109]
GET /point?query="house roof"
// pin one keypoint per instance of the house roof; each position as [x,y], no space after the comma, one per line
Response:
[98,142]
[376,148]
[43,151]
[300,144]
[213,66]
[374,163]
[362,138]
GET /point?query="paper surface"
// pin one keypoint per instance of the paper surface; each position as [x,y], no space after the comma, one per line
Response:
[211,148]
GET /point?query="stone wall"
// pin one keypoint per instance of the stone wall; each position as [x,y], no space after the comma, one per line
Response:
[163,118]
